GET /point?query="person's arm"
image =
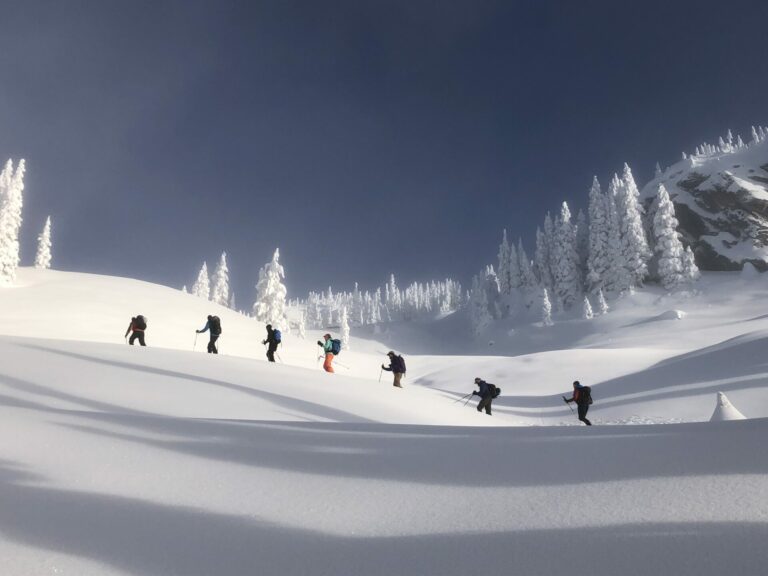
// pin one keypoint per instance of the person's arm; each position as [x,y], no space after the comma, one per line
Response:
[207,325]
[129,330]
[387,368]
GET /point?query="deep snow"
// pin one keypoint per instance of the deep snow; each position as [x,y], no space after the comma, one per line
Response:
[161,460]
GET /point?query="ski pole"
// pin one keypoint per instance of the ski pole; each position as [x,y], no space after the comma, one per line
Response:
[468,399]
[381,371]
[195,344]
[462,398]
[569,405]
[278,357]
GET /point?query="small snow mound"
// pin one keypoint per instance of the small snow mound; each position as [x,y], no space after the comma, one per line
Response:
[672,315]
[724,410]
[749,270]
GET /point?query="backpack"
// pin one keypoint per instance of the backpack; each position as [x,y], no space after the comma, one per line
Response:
[495,390]
[587,392]
[402,361]
[140,322]
[277,336]
[215,325]
[335,347]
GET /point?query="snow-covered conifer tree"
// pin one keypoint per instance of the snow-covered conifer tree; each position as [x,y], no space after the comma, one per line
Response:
[11,202]
[527,277]
[565,260]
[269,307]
[505,286]
[479,313]
[615,276]
[634,245]
[43,256]
[690,270]
[668,246]
[657,171]
[598,258]
[546,309]
[220,294]
[232,301]
[602,305]
[587,310]
[344,328]
[543,254]
[582,243]
[202,286]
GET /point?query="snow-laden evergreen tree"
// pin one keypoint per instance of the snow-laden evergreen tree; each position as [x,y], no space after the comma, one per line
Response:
[184,289]
[565,260]
[220,294]
[587,310]
[344,328]
[505,285]
[543,254]
[598,261]
[657,171]
[546,309]
[527,277]
[669,249]
[43,256]
[269,307]
[634,245]
[202,286]
[690,270]
[582,243]
[11,202]
[232,301]
[615,277]
[602,305]
[479,306]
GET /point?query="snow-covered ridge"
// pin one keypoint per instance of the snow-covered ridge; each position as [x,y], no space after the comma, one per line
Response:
[721,200]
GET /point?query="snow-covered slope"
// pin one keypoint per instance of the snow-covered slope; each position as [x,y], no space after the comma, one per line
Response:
[161,460]
[721,201]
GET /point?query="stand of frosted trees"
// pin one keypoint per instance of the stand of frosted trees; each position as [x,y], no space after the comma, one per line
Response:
[386,304]
[616,249]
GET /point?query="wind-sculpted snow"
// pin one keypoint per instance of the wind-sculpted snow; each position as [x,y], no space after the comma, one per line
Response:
[164,460]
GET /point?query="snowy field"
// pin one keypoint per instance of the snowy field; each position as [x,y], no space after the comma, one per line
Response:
[168,461]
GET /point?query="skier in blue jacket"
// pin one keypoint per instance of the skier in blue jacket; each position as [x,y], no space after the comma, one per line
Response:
[485,391]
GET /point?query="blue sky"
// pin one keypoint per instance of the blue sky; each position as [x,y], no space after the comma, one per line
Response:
[362,138]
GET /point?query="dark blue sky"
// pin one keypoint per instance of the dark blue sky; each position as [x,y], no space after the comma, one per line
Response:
[362,138]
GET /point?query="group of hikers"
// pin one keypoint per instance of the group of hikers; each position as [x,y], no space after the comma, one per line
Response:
[331,347]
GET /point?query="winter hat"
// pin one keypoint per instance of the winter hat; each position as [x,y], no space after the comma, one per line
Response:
[576,384]
[269,325]
[390,353]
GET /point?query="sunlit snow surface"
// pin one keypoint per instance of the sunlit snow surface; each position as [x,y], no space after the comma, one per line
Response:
[165,461]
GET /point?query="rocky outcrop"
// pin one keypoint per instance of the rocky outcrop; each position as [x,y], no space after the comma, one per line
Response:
[721,202]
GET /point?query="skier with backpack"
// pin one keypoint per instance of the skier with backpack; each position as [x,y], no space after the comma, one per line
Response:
[137,326]
[274,338]
[396,366]
[582,395]
[331,347]
[214,325]
[487,393]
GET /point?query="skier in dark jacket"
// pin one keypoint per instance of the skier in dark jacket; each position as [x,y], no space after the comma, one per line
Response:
[214,325]
[272,341]
[486,395]
[583,399]
[396,366]
[137,326]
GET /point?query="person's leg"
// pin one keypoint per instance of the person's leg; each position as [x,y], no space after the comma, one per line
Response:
[327,365]
[488,405]
[483,404]
[212,344]
[141,339]
[133,337]
[583,414]
[270,354]
[398,376]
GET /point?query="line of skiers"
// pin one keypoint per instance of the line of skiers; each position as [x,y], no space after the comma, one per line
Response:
[331,347]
